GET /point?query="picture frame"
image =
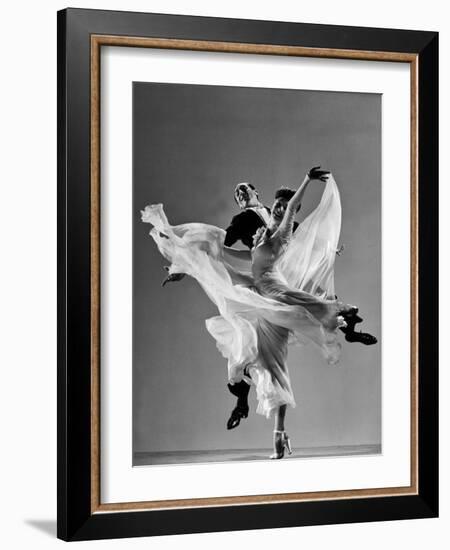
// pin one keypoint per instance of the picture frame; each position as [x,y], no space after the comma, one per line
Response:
[81,36]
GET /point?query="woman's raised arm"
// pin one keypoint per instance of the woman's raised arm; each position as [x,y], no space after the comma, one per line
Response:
[285,227]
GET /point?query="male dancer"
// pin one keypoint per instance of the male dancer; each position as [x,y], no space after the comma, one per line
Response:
[242,228]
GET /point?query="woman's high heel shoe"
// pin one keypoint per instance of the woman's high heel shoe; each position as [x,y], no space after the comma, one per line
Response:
[281,443]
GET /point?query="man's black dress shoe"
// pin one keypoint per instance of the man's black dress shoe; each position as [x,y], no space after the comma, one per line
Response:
[240,390]
[352,318]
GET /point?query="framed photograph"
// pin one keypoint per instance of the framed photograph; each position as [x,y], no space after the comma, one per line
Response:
[247,271]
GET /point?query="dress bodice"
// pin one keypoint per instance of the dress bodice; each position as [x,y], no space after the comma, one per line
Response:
[264,258]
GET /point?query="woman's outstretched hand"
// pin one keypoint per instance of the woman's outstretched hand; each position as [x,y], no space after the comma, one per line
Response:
[317,174]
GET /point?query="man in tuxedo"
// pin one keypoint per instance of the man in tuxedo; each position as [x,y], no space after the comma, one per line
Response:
[252,216]
[243,226]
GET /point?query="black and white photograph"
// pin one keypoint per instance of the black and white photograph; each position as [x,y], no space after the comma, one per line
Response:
[223,241]
[256,274]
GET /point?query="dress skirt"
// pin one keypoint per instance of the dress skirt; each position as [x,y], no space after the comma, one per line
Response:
[253,329]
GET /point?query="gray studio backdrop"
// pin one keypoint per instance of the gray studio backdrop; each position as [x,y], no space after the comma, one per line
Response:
[191,145]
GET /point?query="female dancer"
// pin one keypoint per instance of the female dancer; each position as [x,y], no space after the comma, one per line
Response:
[282,296]
[270,243]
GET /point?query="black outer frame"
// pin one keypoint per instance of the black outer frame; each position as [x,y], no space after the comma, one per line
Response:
[75,521]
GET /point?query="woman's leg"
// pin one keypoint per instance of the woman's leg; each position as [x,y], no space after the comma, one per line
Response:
[280,439]
[280,415]
[326,312]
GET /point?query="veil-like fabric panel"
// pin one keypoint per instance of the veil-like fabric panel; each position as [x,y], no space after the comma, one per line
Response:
[308,263]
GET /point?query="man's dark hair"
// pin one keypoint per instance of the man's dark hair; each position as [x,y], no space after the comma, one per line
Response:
[237,187]
[246,183]
[286,194]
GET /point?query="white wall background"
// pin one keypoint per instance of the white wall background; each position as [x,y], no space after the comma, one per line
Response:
[28,272]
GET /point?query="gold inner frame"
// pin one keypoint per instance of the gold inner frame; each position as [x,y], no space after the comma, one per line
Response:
[97,41]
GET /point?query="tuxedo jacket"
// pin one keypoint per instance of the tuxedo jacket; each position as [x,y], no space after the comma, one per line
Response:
[244,225]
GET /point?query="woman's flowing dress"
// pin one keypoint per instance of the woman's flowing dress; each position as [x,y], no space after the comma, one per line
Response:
[281,297]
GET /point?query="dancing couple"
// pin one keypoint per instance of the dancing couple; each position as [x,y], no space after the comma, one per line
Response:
[279,291]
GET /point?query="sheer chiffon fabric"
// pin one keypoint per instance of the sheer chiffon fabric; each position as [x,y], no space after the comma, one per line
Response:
[255,324]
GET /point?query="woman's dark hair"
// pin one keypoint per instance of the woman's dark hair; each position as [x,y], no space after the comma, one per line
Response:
[286,194]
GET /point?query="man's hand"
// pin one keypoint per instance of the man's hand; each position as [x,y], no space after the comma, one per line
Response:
[172,277]
[317,174]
